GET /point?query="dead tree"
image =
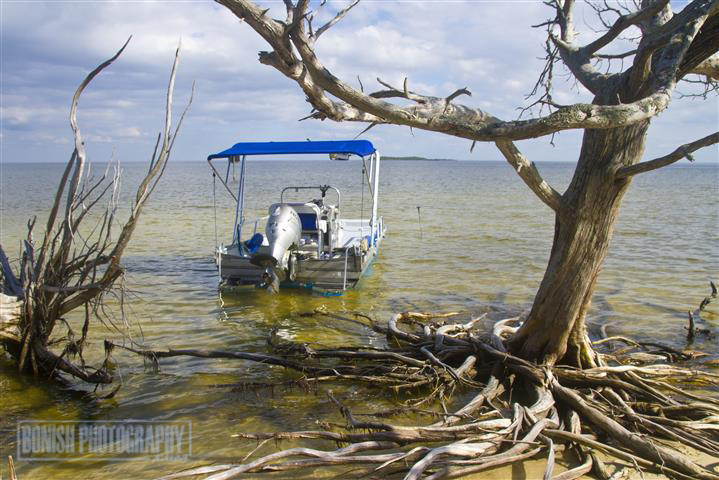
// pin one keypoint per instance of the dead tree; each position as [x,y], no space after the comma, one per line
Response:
[77,259]
[671,47]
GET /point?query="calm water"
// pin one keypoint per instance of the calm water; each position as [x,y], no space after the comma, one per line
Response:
[482,244]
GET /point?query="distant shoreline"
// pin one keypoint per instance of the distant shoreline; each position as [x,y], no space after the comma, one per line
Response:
[699,163]
[419,159]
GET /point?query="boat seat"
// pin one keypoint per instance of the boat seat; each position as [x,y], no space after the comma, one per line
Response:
[254,243]
[308,221]
[309,214]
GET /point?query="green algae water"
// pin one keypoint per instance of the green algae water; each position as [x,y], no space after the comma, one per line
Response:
[478,242]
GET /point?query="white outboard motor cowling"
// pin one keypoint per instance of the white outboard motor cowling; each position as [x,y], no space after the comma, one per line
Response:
[283,231]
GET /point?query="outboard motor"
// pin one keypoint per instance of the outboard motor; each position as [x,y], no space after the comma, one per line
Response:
[283,230]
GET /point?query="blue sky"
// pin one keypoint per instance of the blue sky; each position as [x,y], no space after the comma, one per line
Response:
[488,47]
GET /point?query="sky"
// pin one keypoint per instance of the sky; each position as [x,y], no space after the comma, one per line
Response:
[489,47]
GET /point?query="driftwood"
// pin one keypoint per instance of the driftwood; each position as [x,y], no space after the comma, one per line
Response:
[693,330]
[76,261]
[625,409]
[10,317]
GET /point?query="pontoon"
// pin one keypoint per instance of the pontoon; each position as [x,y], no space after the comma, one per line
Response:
[305,244]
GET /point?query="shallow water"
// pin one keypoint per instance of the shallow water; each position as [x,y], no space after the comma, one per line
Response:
[479,242]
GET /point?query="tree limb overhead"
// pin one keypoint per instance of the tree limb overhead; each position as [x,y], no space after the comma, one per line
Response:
[684,151]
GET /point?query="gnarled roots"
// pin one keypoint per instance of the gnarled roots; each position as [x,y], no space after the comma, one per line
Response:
[625,409]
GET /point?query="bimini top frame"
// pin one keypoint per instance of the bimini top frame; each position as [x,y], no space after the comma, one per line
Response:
[341,150]
[362,148]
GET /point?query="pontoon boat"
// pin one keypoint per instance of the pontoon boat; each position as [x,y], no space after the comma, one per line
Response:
[305,244]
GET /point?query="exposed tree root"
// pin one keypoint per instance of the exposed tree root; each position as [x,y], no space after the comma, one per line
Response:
[628,410]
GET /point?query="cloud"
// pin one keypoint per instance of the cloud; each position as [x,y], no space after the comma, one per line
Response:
[488,47]
[18,115]
[128,132]
[373,47]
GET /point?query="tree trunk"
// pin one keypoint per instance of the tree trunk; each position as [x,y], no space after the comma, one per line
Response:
[555,329]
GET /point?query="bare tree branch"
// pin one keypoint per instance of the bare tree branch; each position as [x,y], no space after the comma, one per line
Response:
[453,95]
[529,173]
[580,65]
[701,56]
[114,269]
[577,62]
[609,56]
[565,13]
[476,124]
[79,144]
[672,37]
[10,281]
[709,67]
[683,151]
[393,92]
[457,120]
[39,265]
[621,24]
[340,15]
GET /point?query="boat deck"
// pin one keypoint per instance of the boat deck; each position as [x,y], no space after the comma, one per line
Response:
[338,269]
[353,231]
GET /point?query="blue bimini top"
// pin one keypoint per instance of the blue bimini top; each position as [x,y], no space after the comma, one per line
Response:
[356,147]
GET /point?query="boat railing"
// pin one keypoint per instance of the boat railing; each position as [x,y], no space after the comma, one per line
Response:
[379,231]
[255,222]
[321,188]
[344,279]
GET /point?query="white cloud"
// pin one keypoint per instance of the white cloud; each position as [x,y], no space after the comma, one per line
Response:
[372,47]
[17,115]
[486,46]
[99,138]
[128,132]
